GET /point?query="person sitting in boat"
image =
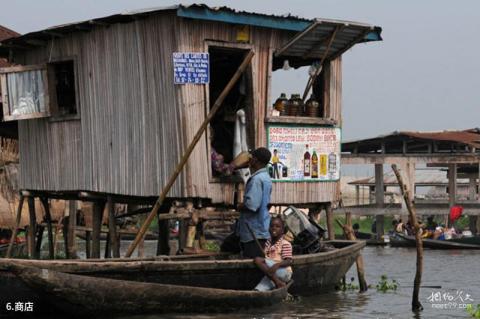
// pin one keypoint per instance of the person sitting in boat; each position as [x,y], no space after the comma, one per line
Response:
[400,228]
[278,258]
[439,233]
[254,221]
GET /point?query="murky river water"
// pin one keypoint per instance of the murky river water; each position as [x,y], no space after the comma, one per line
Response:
[457,272]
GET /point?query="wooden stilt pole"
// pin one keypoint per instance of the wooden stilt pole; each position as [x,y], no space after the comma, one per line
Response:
[416,305]
[15,229]
[330,228]
[72,225]
[163,247]
[107,248]
[98,207]
[65,224]
[38,243]
[182,234]
[198,135]
[48,219]
[350,235]
[88,242]
[112,228]
[32,229]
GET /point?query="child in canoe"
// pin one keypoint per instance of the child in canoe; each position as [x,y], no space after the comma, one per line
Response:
[278,258]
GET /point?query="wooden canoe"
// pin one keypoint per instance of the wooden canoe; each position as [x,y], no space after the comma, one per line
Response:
[86,294]
[312,274]
[402,240]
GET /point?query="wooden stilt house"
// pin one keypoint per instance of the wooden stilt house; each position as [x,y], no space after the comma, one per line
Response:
[104,112]
[108,106]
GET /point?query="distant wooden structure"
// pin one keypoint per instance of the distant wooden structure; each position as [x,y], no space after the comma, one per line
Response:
[110,123]
[448,149]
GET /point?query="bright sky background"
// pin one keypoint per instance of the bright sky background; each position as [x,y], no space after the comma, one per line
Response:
[423,76]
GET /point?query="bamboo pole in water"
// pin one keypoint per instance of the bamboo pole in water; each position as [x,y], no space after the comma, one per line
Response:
[173,177]
[416,305]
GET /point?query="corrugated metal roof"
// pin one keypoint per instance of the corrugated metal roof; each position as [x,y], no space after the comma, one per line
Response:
[201,12]
[314,41]
[423,177]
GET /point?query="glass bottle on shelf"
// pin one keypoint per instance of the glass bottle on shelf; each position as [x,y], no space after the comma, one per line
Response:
[332,164]
[306,162]
[314,165]
[323,164]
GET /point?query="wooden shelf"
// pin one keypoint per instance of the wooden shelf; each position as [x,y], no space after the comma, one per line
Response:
[300,120]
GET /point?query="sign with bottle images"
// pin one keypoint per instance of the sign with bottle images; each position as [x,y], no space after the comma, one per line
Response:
[304,153]
[191,67]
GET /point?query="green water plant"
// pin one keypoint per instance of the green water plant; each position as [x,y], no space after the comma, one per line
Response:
[384,285]
[473,311]
[344,285]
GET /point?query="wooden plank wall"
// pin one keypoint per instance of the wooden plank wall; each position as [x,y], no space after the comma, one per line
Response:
[135,122]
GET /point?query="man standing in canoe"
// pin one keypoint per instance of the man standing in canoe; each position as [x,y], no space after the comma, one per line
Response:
[254,209]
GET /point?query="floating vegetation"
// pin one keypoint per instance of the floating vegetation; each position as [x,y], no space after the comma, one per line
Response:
[344,286]
[473,311]
[384,285]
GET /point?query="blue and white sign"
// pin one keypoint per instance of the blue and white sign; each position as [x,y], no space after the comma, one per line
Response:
[191,67]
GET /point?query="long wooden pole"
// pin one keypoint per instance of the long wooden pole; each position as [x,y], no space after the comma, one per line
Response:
[313,78]
[15,229]
[349,234]
[416,305]
[166,189]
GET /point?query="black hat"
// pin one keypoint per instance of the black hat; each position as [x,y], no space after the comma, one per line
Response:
[262,154]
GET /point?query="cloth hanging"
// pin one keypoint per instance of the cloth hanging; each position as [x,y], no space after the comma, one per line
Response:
[240,140]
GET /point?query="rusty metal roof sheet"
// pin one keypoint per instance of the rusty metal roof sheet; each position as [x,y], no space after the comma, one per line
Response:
[470,137]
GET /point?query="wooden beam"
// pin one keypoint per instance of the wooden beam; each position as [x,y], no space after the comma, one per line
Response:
[32,228]
[112,228]
[36,42]
[48,219]
[418,158]
[72,224]
[313,78]
[322,42]
[38,243]
[379,199]
[452,184]
[88,243]
[297,38]
[330,228]
[53,34]
[98,208]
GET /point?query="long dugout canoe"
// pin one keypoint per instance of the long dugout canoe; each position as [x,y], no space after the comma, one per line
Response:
[312,274]
[91,295]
